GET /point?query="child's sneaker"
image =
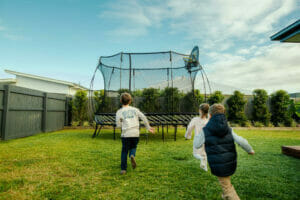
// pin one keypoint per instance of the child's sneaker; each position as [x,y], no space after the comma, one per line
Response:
[133,163]
[123,172]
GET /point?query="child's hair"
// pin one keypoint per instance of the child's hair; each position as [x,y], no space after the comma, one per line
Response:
[204,108]
[125,98]
[216,109]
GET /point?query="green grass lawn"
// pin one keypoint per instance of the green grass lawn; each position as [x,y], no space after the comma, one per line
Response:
[69,164]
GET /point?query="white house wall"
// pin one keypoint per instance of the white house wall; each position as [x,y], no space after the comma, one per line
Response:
[42,85]
[72,91]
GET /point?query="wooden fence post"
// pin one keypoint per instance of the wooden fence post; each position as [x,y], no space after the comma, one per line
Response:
[5,112]
[44,118]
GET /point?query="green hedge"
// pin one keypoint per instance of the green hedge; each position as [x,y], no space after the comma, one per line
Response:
[79,107]
[260,112]
[216,97]
[150,103]
[235,108]
[280,104]
[156,100]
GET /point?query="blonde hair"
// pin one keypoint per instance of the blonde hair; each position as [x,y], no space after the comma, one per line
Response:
[216,109]
[125,98]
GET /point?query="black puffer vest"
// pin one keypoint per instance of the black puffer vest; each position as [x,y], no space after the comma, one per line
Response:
[219,146]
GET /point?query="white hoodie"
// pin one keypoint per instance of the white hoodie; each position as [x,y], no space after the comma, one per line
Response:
[127,117]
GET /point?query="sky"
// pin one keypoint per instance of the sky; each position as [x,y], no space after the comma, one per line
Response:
[63,39]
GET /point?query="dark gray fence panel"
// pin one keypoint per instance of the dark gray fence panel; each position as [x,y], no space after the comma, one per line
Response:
[23,123]
[56,111]
[55,121]
[25,112]
[1,108]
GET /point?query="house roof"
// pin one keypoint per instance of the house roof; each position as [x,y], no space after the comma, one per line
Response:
[290,33]
[8,80]
[46,79]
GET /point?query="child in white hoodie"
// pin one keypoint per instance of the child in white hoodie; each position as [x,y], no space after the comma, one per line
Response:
[127,117]
[197,123]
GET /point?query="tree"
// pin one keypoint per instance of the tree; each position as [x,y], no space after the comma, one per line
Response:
[280,102]
[294,110]
[79,106]
[123,90]
[171,99]
[191,101]
[235,111]
[297,110]
[260,111]
[150,101]
[216,97]
[103,103]
[137,93]
[98,99]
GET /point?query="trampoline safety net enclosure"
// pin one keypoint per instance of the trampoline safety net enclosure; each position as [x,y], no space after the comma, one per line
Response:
[159,70]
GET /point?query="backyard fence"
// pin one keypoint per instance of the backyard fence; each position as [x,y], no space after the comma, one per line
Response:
[25,112]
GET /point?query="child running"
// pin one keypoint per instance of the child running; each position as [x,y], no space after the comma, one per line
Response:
[219,140]
[197,123]
[127,117]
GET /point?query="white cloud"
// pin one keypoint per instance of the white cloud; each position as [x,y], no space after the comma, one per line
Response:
[240,27]
[134,13]
[243,51]
[128,31]
[131,18]
[276,68]
[211,22]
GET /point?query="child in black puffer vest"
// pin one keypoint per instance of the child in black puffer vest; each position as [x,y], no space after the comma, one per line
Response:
[219,140]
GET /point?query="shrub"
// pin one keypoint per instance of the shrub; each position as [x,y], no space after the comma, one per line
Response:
[102,102]
[246,123]
[150,101]
[216,97]
[235,109]
[70,111]
[294,123]
[280,125]
[231,124]
[79,109]
[86,124]
[191,101]
[94,124]
[98,99]
[137,93]
[270,125]
[123,90]
[171,99]
[295,110]
[260,111]
[75,123]
[280,102]
[258,124]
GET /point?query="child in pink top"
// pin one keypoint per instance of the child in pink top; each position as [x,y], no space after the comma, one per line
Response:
[197,123]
